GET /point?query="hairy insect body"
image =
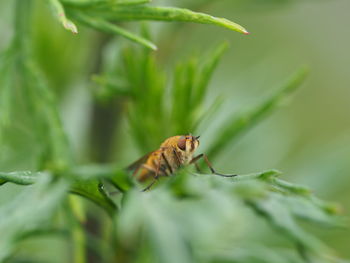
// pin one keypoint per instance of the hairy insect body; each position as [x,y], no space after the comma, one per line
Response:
[169,157]
[173,153]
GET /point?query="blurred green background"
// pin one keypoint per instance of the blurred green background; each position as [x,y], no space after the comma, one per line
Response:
[308,139]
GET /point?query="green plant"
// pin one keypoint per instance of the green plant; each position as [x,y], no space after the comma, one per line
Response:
[187,218]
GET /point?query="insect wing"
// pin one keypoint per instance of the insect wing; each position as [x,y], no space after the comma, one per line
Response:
[135,165]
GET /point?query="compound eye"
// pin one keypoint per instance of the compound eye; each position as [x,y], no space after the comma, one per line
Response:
[181,143]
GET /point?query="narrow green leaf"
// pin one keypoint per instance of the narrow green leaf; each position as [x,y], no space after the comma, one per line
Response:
[160,227]
[7,62]
[237,125]
[306,209]
[207,73]
[132,2]
[281,217]
[110,172]
[328,207]
[44,105]
[20,177]
[91,190]
[80,185]
[109,88]
[107,27]
[170,14]
[95,171]
[294,188]
[141,212]
[208,113]
[103,3]
[183,93]
[28,211]
[254,253]
[60,13]
[122,181]
[5,94]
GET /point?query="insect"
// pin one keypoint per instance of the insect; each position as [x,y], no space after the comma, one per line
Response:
[174,152]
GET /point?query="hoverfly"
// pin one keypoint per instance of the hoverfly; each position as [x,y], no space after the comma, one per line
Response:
[174,152]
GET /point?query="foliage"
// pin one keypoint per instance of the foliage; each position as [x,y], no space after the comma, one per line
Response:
[187,218]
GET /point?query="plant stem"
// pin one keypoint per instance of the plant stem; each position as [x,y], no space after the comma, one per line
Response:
[78,235]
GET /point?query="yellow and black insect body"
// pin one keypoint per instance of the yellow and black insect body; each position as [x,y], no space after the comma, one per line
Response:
[174,152]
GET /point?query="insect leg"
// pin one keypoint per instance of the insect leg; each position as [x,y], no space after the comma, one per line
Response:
[155,177]
[151,184]
[210,166]
[177,158]
[194,161]
[198,169]
[167,163]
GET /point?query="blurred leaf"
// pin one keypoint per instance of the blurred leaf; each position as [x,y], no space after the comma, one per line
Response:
[244,121]
[141,12]
[278,215]
[207,72]
[28,211]
[297,189]
[61,16]
[306,209]
[81,184]
[255,254]
[145,214]
[20,177]
[6,64]
[49,127]
[97,13]
[161,228]
[107,27]
[91,189]
[103,3]
[110,88]
[156,113]
[145,113]
[191,82]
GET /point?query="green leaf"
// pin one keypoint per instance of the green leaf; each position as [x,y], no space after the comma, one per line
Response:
[294,188]
[109,88]
[237,125]
[29,211]
[91,189]
[254,253]
[281,217]
[21,177]
[112,173]
[189,89]
[169,14]
[6,72]
[60,13]
[305,208]
[103,3]
[84,184]
[160,227]
[49,125]
[107,27]
[207,72]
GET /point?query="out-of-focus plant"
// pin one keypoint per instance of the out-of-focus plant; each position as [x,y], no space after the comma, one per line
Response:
[189,217]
